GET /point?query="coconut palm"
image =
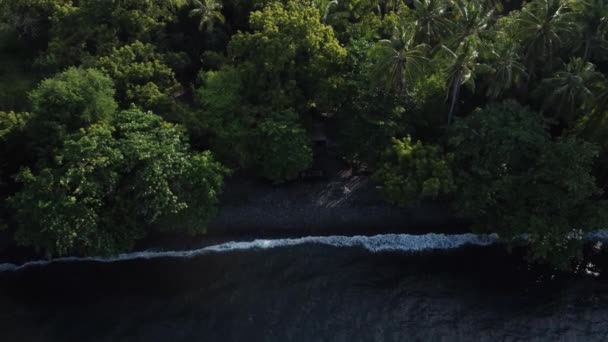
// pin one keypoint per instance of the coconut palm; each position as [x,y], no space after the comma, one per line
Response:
[209,12]
[324,7]
[461,71]
[592,20]
[400,59]
[471,19]
[432,22]
[506,69]
[570,89]
[543,28]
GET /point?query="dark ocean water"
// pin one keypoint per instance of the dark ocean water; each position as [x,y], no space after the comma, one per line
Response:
[305,292]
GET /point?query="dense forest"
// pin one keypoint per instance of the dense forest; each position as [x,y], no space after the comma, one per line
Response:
[120,117]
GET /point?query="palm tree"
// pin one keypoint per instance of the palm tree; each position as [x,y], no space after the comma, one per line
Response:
[432,22]
[399,60]
[570,89]
[592,20]
[324,7]
[543,27]
[460,72]
[506,69]
[209,12]
[471,19]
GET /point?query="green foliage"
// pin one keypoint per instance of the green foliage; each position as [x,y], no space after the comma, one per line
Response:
[431,20]
[71,100]
[543,27]
[111,182]
[503,68]
[569,90]
[375,71]
[591,18]
[283,147]
[276,147]
[399,60]
[366,114]
[514,180]
[16,75]
[31,19]
[13,140]
[411,172]
[209,12]
[95,28]
[460,71]
[140,76]
[288,57]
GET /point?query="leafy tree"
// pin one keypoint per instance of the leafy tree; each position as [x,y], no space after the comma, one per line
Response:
[105,25]
[71,100]
[13,153]
[209,11]
[414,171]
[111,183]
[140,76]
[283,147]
[31,19]
[289,57]
[514,180]
[348,17]
[367,113]
[275,146]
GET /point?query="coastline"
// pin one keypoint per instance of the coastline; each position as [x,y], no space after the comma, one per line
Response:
[250,209]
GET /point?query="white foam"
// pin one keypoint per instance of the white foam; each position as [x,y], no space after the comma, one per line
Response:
[377,243]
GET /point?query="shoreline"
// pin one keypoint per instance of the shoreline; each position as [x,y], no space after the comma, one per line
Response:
[253,209]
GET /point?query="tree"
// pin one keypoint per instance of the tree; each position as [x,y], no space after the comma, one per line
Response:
[503,61]
[570,89]
[460,71]
[32,19]
[324,7]
[140,76]
[543,27]
[274,146]
[283,147]
[111,183]
[400,59]
[514,180]
[105,25]
[288,58]
[13,151]
[411,172]
[366,113]
[591,17]
[73,99]
[472,18]
[209,11]
[432,22]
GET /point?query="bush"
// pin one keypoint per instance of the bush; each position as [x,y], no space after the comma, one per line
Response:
[411,172]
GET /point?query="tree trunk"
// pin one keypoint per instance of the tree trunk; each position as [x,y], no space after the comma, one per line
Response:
[587,48]
[455,92]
